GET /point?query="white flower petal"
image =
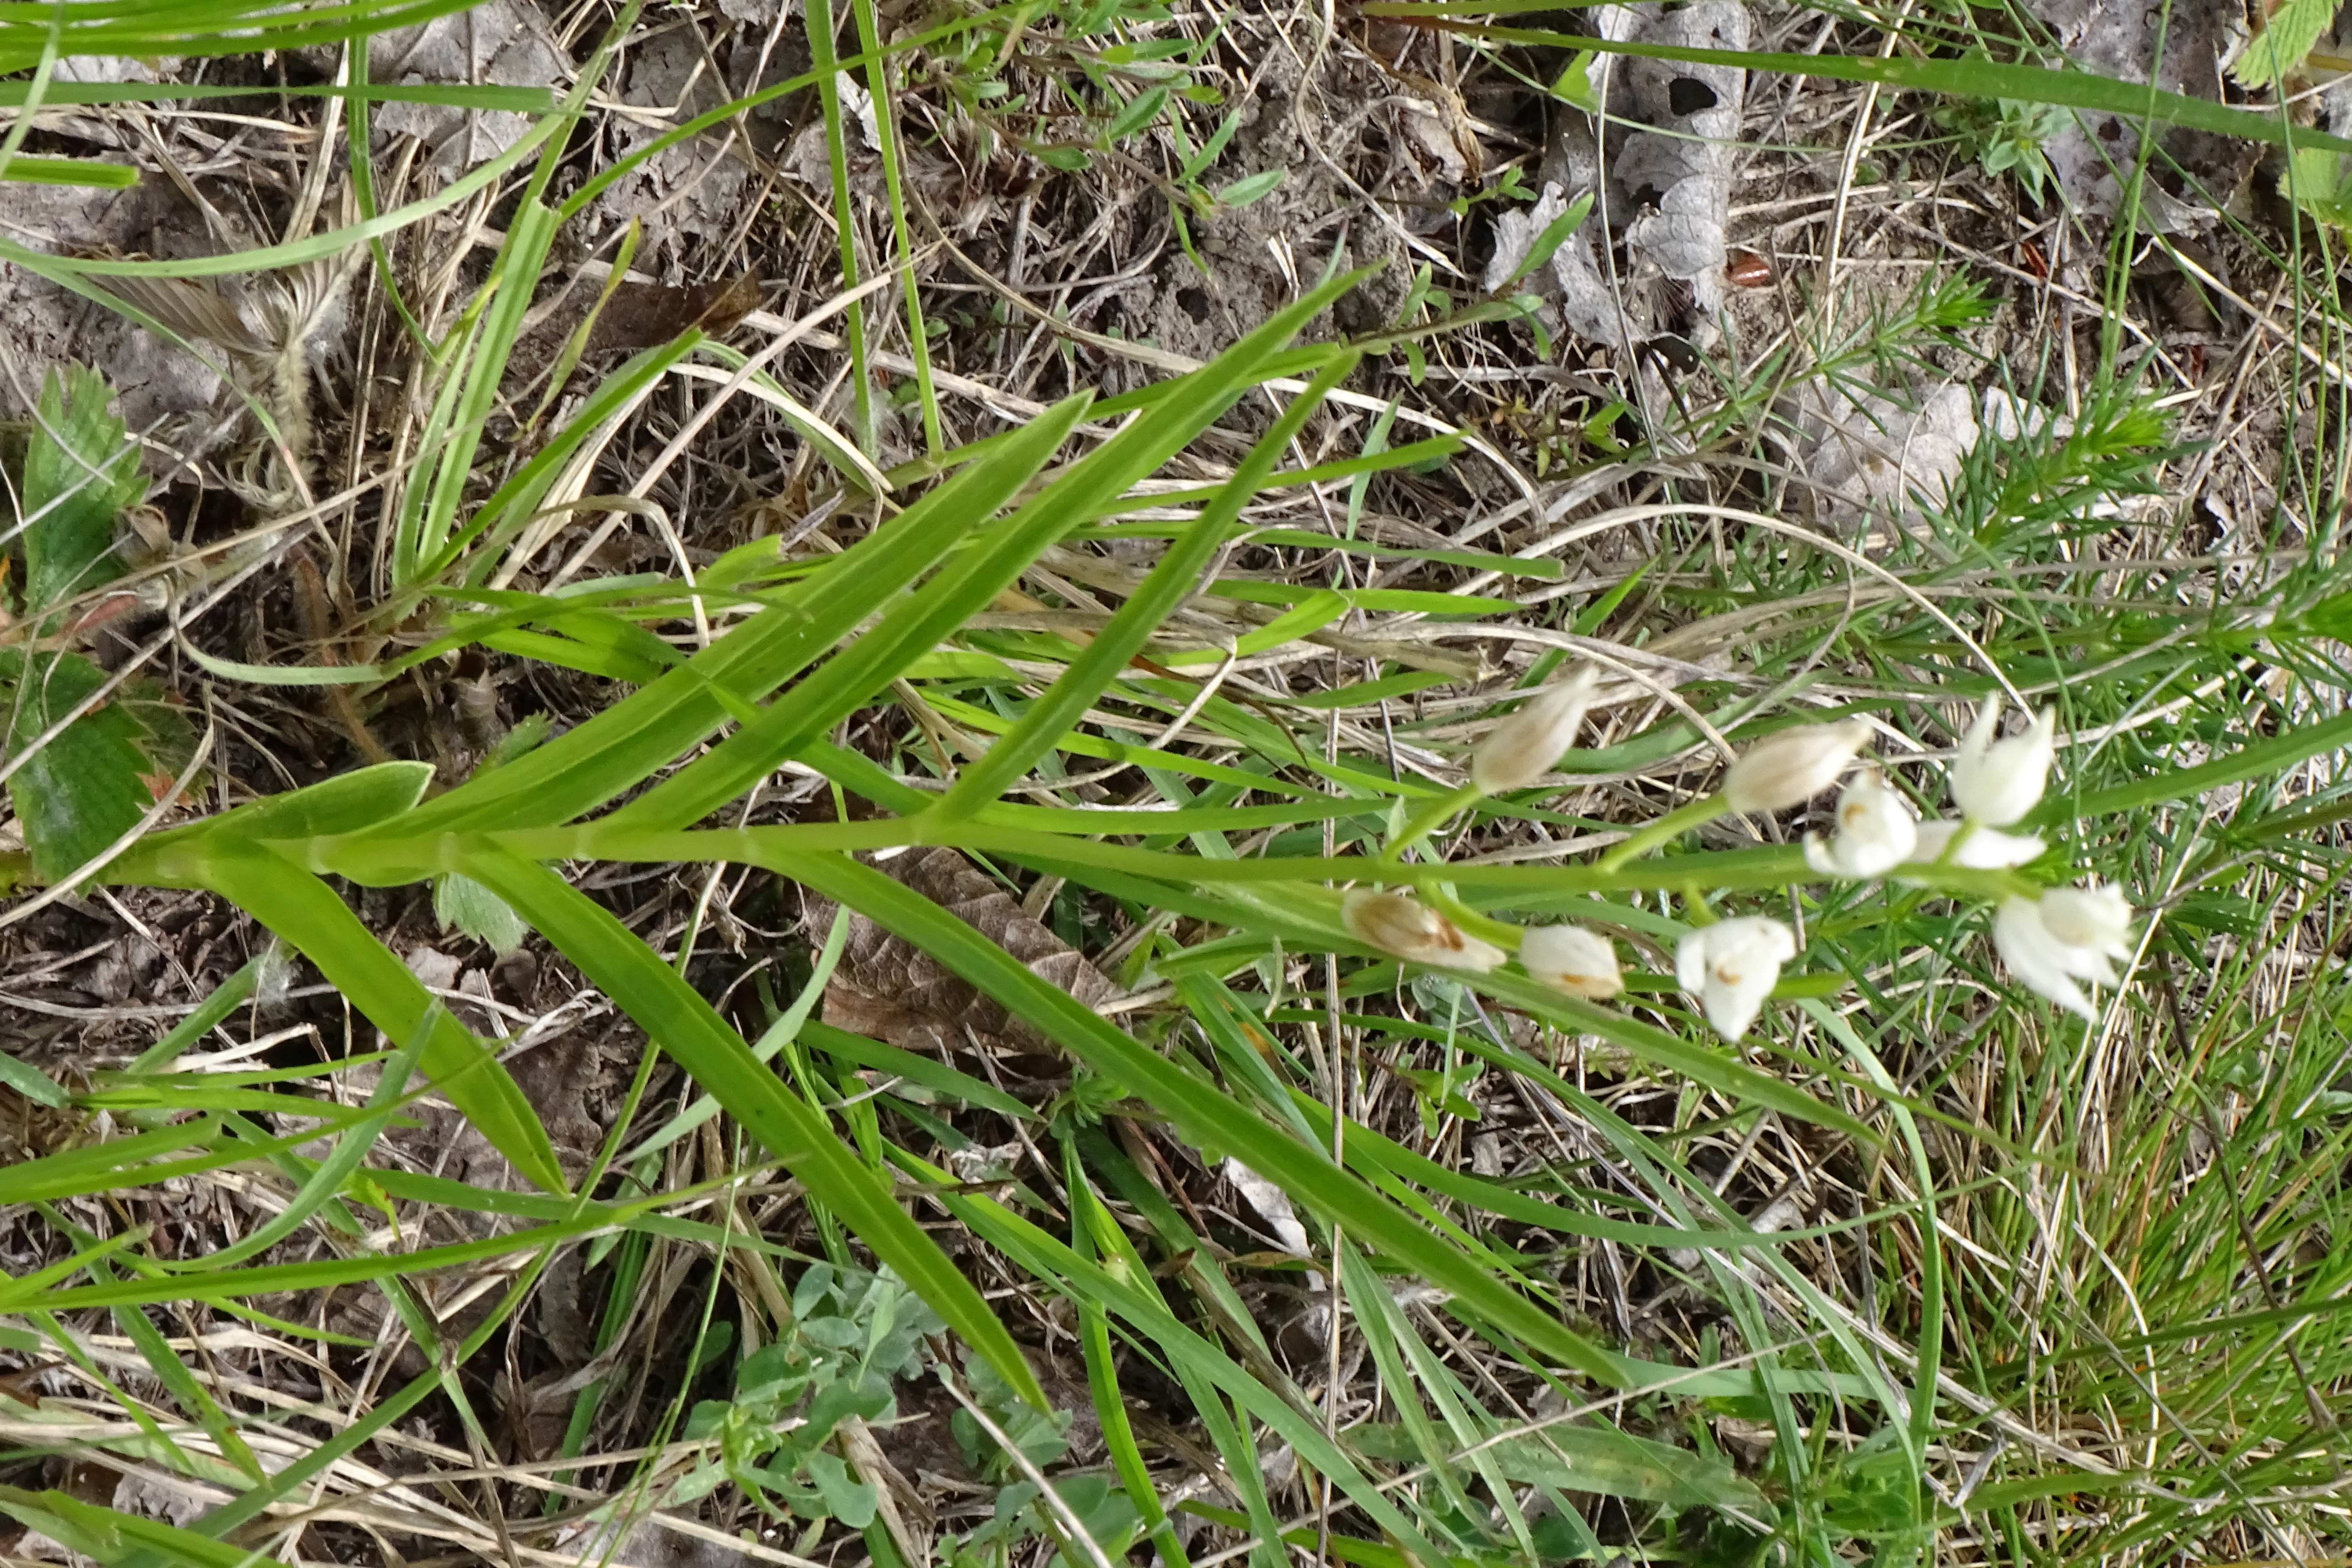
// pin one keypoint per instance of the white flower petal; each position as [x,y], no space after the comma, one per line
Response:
[2096,917]
[1998,782]
[1732,966]
[1876,829]
[1571,959]
[1412,931]
[1985,849]
[1690,961]
[2035,958]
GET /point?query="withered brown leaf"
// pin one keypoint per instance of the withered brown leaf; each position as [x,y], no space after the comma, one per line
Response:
[888,989]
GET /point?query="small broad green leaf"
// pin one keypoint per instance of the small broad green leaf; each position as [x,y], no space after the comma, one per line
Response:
[87,787]
[1210,149]
[2285,39]
[1574,83]
[1250,188]
[80,470]
[461,904]
[524,737]
[1139,112]
[849,1500]
[2320,182]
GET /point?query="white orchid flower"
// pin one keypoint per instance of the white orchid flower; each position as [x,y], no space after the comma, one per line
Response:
[1732,966]
[1412,931]
[1524,745]
[1571,959]
[1998,782]
[1876,831]
[1793,766]
[2067,934]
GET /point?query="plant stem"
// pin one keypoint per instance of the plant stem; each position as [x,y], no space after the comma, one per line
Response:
[1681,820]
[1502,933]
[1417,825]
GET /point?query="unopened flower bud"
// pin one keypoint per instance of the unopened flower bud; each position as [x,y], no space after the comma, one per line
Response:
[1998,782]
[1732,966]
[1984,849]
[1791,767]
[1412,930]
[1522,746]
[1571,959]
[1875,831]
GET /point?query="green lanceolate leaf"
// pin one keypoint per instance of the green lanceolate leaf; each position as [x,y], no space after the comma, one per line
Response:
[1176,576]
[1207,1114]
[31,1083]
[308,916]
[344,803]
[676,1017]
[647,730]
[1589,1459]
[934,611]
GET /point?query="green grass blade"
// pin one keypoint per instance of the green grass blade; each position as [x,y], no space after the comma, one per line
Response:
[645,731]
[112,1538]
[294,253]
[32,1293]
[1049,1259]
[2272,757]
[1176,576]
[483,99]
[1089,1219]
[1206,1114]
[326,1179]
